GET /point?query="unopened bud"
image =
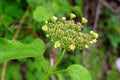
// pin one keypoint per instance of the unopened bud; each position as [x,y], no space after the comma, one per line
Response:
[45,28]
[86,46]
[91,32]
[46,22]
[72,15]
[63,18]
[54,18]
[57,44]
[94,40]
[91,42]
[84,20]
[47,35]
[95,35]
[72,47]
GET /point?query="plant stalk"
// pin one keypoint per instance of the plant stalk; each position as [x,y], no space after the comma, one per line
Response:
[15,37]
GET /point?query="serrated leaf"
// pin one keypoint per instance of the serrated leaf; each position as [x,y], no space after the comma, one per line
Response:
[78,72]
[12,49]
[42,14]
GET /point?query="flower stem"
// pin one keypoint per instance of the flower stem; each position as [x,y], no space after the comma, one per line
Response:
[58,61]
[51,70]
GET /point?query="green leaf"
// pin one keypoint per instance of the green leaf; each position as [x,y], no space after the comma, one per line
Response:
[78,10]
[12,49]
[30,76]
[14,71]
[61,7]
[60,76]
[7,19]
[35,3]
[114,39]
[78,72]
[42,14]
[14,11]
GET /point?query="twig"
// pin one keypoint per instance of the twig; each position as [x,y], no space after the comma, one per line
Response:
[1,1]
[110,7]
[15,37]
[86,8]
[20,24]
[1,18]
[97,16]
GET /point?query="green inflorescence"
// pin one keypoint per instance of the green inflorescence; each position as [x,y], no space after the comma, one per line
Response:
[67,34]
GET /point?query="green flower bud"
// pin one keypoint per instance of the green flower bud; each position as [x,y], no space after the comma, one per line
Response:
[86,46]
[95,35]
[47,35]
[51,39]
[91,42]
[91,32]
[72,15]
[46,22]
[72,47]
[45,28]
[54,18]
[94,40]
[63,18]
[57,44]
[84,20]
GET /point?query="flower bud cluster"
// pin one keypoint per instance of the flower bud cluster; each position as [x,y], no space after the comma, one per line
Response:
[67,34]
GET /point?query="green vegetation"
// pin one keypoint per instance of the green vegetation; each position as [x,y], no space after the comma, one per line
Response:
[59,39]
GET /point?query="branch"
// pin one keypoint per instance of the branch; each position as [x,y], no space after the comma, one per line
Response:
[15,37]
[110,7]
[20,24]
[97,16]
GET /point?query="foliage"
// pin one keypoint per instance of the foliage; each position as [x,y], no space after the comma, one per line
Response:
[98,60]
[78,72]
[15,50]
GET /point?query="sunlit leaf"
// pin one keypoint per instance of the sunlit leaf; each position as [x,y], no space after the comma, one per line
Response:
[42,14]
[12,49]
[78,72]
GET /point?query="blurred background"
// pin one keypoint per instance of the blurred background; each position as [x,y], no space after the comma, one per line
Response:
[102,59]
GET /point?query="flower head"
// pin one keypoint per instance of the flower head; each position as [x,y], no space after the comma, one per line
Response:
[68,34]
